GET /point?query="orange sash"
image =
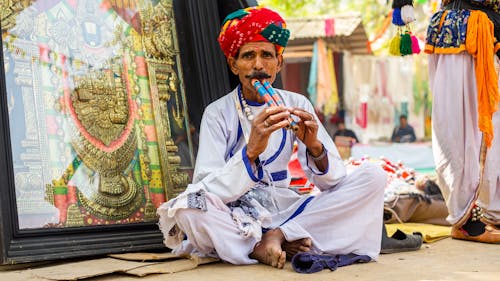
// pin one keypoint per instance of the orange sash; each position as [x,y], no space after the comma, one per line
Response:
[479,43]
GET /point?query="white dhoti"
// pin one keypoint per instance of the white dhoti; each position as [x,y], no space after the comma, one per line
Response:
[457,139]
[345,219]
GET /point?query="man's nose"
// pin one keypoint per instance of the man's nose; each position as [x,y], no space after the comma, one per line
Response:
[258,63]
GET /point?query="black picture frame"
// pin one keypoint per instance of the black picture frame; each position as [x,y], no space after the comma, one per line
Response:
[198,22]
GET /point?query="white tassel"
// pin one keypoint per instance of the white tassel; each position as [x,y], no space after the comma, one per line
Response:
[407,14]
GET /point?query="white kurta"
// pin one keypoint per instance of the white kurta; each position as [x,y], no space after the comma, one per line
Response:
[456,138]
[346,217]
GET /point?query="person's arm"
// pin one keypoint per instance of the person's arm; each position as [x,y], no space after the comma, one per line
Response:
[353,135]
[394,137]
[320,158]
[413,136]
[228,176]
[322,165]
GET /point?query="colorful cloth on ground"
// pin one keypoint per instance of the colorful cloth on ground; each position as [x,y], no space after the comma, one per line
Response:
[430,232]
[252,24]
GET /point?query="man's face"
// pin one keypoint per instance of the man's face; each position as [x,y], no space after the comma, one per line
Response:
[252,58]
[403,122]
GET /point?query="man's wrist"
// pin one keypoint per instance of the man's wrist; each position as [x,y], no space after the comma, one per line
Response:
[251,156]
[316,150]
[317,153]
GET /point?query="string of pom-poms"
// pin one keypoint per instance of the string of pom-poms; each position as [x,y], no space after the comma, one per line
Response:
[404,42]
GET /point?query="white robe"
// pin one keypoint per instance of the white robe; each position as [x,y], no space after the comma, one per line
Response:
[456,139]
[346,217]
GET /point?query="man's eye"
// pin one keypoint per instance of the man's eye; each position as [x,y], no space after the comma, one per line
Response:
[247,56]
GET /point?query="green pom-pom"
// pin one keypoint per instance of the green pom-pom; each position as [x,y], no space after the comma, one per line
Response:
[405,47]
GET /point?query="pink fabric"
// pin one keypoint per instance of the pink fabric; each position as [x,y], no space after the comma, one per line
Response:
[330,27]
[415,48]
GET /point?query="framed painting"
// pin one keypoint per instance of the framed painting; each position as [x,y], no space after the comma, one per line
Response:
[94,128]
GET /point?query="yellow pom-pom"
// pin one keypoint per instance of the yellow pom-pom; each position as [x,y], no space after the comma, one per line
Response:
[394,48]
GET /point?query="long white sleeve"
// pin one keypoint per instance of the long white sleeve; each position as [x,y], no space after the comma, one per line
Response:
[228,174]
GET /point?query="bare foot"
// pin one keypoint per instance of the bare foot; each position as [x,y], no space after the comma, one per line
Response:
[269,251]
[300,245]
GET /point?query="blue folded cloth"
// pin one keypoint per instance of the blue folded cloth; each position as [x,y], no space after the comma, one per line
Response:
[306,262]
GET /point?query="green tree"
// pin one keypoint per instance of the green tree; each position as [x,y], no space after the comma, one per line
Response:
[373,12]
[301,8]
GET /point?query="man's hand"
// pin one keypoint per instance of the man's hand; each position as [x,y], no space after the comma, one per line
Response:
[271,119]
[307,131]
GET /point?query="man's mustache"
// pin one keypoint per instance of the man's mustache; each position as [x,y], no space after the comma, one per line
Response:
[258,75]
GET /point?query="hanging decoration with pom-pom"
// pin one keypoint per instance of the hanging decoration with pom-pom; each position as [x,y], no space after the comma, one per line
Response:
[395,46]
[403,43]
[415,48]
[405,46]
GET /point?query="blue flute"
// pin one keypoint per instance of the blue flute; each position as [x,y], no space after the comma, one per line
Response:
[272,99]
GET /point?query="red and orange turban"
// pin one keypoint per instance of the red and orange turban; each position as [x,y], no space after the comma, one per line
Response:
[252,24]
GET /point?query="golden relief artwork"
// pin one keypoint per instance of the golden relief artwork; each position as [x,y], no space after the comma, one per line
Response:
[9,9]
[101,104]
[104,115]
[98,101]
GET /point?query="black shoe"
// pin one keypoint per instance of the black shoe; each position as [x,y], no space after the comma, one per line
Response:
[400,242]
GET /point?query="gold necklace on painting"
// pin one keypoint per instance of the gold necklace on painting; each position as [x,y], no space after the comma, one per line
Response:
[104,138]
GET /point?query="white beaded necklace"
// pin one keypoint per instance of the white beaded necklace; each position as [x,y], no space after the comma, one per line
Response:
[246,107]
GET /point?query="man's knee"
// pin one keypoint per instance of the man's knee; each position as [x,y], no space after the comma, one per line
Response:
[375,174]
[189,215]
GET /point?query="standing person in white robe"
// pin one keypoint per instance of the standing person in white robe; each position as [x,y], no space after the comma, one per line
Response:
[239,207]
[465,120]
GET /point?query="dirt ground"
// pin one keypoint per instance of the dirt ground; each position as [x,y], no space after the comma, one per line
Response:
[447,259]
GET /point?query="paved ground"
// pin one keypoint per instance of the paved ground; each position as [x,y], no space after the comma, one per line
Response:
[447,259]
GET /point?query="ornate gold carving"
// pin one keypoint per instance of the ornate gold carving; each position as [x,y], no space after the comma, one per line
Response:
[158,38]
[9,9]
[99,101]
[101,104]
[157,30]
[102,110]
[74,216]
[149,211]
[111,207]
[180,180]
[49,193]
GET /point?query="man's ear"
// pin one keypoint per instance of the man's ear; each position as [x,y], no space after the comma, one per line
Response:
[232,64]
[280,62]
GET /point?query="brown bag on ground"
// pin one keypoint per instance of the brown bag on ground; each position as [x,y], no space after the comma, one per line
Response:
[414,207]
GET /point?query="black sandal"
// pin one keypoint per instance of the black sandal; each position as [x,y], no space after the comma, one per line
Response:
[400,242]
